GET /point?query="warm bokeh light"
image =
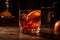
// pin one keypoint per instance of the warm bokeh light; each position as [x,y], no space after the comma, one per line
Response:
[5,13]
[2,16]
[53,13]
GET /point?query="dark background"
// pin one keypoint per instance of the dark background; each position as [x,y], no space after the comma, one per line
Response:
[15,5]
